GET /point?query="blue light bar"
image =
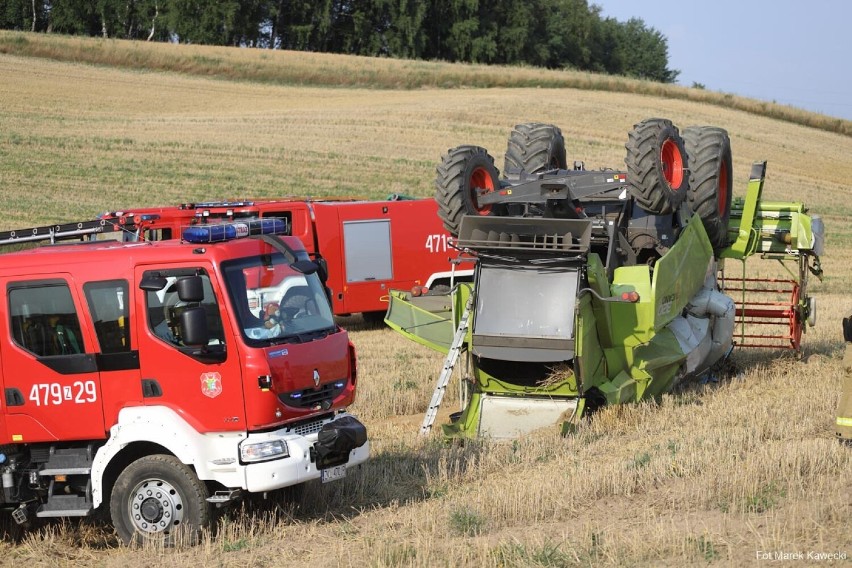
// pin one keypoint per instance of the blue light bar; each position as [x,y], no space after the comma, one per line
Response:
[228,231]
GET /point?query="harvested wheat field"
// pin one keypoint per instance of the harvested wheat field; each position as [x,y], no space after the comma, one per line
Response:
[723,473]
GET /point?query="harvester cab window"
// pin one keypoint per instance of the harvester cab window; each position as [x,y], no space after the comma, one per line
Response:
[164,307]
[44,319]
[525,314]
[109,305]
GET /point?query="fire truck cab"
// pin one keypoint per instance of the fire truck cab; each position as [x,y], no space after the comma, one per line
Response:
[150,378]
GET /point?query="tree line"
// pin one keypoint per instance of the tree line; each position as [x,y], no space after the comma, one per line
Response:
[541,33]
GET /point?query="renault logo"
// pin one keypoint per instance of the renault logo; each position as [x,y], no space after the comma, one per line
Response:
[316,377]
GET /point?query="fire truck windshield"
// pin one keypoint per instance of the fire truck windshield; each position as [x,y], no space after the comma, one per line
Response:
[275,303]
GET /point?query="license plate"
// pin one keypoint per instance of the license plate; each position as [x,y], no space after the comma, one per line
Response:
[333,473]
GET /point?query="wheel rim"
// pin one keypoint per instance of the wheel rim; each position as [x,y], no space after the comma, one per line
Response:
[155,506]
[722,200]
[480,179]
[672,161]
[795,319]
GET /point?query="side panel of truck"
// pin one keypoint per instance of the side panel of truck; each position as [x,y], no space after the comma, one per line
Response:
[375,246]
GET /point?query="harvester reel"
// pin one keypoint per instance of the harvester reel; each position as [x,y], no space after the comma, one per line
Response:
[710,179]
[534,148]
[463,174]
[657,166]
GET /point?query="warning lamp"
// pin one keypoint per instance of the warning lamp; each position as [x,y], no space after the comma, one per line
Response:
[631,297]
[416,291]
[229,231]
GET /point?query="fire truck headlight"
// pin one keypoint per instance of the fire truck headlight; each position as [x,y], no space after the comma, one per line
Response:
[263,451]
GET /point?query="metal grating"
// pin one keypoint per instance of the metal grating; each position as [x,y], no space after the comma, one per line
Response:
[768,312]
[306,428]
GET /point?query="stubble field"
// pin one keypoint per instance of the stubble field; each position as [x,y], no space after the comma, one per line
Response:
[717,473]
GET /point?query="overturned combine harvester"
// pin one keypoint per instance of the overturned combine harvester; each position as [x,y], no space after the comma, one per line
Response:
[601,287]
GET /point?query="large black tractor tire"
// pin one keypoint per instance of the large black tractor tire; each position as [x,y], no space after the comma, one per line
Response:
[710,179]
[159,499]
[463,174]
[534,148]
[657,166]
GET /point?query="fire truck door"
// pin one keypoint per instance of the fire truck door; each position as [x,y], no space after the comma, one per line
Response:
[109,308]
[52,388]
[201,383]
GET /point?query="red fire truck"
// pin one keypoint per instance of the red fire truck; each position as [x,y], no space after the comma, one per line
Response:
[144,378]
[370,246]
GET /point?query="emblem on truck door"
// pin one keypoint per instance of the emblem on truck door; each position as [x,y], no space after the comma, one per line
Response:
[211,384]
[316,378]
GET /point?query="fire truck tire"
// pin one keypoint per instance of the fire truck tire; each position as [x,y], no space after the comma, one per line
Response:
[159,499]
[534,148]
[373,318]
[462,174]
[657,166]
[710,179]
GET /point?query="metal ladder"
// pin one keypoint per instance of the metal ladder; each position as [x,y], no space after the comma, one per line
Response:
[61,232]
[449,365]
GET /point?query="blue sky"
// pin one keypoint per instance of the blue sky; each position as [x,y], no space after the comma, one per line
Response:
[791,52]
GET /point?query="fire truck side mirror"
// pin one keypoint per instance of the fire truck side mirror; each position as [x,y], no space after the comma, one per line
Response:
[190,289]
[193,327]
[322,269]
[310,266]
[152,283]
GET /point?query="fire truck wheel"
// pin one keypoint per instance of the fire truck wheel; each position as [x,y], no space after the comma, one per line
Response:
[159,499]
[534,148]
[374,318]
[463,174]
[710,179]
[657,166]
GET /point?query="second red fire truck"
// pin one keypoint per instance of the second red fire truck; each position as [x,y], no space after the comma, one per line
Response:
[370,247]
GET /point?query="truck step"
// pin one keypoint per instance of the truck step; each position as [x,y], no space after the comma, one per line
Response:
[224,497]
[66,506]
[68,461]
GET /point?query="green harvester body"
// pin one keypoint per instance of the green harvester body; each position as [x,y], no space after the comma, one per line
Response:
[555,331]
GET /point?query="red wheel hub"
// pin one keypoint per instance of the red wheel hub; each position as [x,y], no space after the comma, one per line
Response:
[480,182]
[672,162]
[722,198]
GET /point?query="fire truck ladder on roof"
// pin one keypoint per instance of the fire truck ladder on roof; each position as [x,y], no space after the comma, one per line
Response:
[449,365]
[54,233]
